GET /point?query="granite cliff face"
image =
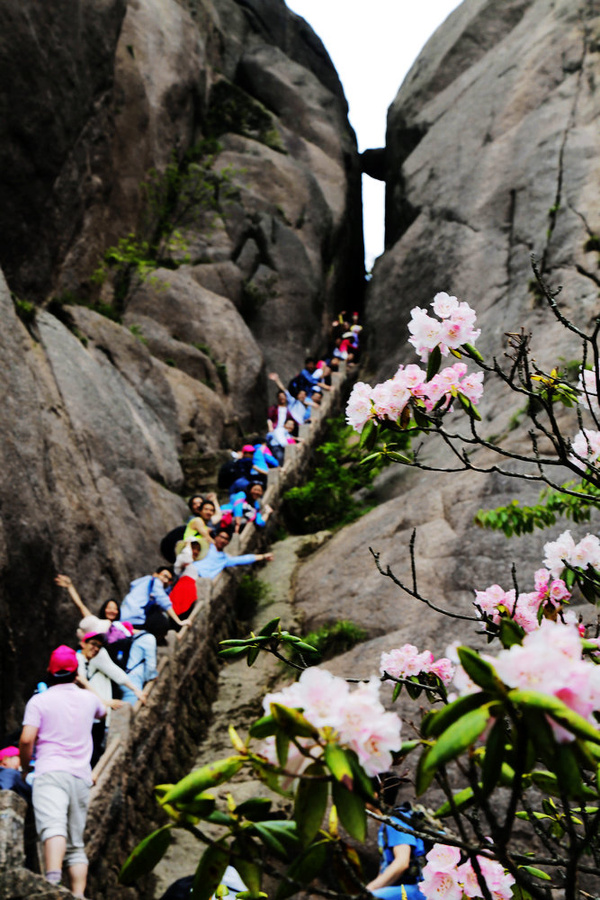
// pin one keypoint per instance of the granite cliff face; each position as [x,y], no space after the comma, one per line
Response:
[492,154]
[107,423]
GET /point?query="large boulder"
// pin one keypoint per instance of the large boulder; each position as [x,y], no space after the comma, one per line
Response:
[491,157]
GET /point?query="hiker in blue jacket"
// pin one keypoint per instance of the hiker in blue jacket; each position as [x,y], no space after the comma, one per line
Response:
[402,852]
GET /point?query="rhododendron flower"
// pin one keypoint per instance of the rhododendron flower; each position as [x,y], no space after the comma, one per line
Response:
[426,333]
[557,552]
[358,717]
[565,550]
[550,660]
[360,407]
[443,305]
[406,661]
[588,396]
[410,376]
[443,877]
[586,444]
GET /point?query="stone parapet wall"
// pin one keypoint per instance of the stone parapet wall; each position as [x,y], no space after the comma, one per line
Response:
[158,743]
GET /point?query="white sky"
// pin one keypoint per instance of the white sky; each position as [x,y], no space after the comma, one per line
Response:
[373,44]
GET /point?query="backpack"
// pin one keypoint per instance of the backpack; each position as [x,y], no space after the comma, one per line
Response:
[119,651]
[416,817]
[168,543]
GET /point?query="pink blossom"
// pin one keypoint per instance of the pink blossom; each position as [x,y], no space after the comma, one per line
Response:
[541,578]
[410,376]
[443,305]
[426,332]
[586,552]
[557,552]
[360,407]
[550,660]
[406,661]
[443,668]
[442,876]
[586,446]
[472,387]
[587,387]
[357,717]
[440,886]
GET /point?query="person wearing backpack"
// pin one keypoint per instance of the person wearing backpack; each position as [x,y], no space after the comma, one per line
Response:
[402,852]
[96,671]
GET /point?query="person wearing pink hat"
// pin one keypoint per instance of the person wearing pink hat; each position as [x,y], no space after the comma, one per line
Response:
[10,773]
[58,725]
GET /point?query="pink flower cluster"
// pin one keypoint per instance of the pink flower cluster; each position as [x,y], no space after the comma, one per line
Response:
[586,446]
[389,399]
[444,877]
[454,330]
[564,549]
[406,661]
[587,386]
[526,608]
[357,717]
[550,660]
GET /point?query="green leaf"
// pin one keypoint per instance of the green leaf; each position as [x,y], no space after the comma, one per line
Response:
[282,745]
[462,800]
[146,855]
[284,833]
[457,738]
[253,655]
[270,627]
[424,775]
[421,419]
[208,776]
[480,671]
[494,757]
[407,746]
[413,690]
[233,652]
[510,633]
[201,806]
[307,648]
[435,722]
[264,727]
[244,853]
[472,352]
[567,771]
[537,873]
[338,763]
[210,871]
[306,867]
[310,802]
[398,457]
[362,783]
[292,722]
[558,710]
[434,362]
[397,690]
[270,840]
[351,811]
[368,435]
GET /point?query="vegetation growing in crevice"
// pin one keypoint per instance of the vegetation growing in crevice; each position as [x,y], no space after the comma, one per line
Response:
[232,109]
[221,367]
[189,193]
[326,499]
[331,639]
[251,591]
[255,294]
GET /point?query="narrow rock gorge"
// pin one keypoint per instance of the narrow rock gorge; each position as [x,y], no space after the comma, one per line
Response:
[125,387]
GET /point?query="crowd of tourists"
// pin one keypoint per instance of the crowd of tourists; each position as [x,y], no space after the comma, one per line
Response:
[113,661]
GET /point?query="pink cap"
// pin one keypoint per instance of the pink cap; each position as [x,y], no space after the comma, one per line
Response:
[247,448]
[9,751]
[63,659]
[128,626]
[93,634]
